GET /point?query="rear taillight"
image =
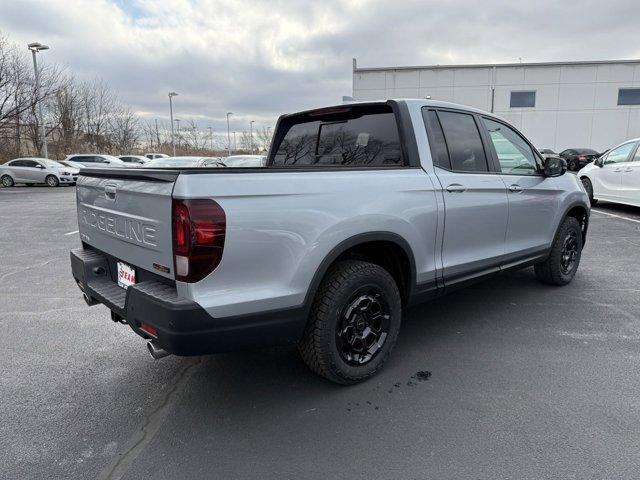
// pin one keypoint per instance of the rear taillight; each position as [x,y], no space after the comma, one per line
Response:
[199,227]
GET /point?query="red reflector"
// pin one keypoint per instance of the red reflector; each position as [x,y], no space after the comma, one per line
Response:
[150,329]
[199,227]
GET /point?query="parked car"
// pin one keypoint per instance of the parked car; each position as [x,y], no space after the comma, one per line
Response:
[134,160]
[70,163]
[615,176]
[151,156]
[173,162]
[31,171]
[577,158]
[96,160]
[245,161]
[330,242]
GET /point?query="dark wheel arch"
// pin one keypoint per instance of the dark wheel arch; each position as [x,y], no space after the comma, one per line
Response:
[405,277]
[581,213]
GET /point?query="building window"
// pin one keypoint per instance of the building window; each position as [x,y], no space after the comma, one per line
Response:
[523,99]
[629,96]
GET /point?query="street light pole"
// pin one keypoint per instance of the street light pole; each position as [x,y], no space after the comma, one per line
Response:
[228,135]
[251,135]
[173,138]
[211,137]
[35,48]
[234,142]
[177,120]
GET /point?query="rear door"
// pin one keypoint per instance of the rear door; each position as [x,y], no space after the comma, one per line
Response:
[630,183]
[533,198]
[607,181]
[128,217]
[475,198]
[18,170]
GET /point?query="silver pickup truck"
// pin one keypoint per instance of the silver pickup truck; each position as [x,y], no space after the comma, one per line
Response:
[361,211]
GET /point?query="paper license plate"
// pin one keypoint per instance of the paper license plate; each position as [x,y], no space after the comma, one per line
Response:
[126,275]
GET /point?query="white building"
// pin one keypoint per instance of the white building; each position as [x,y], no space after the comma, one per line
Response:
[557,105]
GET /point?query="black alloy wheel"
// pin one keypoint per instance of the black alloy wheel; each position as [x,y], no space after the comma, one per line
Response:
[363,327]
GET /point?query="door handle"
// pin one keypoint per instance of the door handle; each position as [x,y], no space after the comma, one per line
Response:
[617,169]
[628,169]
[455,188]
[515,188]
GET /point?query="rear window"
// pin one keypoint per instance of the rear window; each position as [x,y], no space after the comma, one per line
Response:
[586,151]
[343,137]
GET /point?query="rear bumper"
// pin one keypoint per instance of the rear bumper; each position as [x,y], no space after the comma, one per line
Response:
[183,327]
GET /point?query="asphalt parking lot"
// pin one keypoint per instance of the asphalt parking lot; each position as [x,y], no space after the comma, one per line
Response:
[527,381]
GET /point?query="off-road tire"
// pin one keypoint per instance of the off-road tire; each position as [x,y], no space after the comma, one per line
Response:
[52,181]
[7,181]
[319,346]
[551,270]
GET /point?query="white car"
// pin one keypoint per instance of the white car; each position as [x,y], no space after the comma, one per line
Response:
[32,170]
[615,176]
[174,162]
[247,161]
[134,160]
[151,156]
[93,160]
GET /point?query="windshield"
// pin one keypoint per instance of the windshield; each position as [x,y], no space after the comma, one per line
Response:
[586,151]
[245,161]
[172,162]
[49,163]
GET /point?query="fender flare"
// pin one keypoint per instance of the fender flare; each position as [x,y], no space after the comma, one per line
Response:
[351,242]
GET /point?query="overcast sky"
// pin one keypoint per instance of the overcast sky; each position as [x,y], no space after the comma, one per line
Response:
[259,59]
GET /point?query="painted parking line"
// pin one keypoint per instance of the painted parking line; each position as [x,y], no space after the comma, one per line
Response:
[71,233]
[616,216]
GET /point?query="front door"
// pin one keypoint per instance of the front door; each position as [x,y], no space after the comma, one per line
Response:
[533,198]
[475,199]
[630,183]
[607,181]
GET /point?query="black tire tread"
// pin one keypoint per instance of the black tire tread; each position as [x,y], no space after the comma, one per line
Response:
[313,349]
[548,271]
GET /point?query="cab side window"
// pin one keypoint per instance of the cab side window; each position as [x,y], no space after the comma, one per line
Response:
[464,144]
[514,154]
[437,143]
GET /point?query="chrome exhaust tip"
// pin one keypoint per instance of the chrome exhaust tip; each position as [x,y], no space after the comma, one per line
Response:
[156,350]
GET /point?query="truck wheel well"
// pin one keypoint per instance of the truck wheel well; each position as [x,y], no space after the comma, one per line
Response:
[388,255]
[580,214]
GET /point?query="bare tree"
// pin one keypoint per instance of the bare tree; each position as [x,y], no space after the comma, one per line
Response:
[263,136]
[123,131]
[18,95]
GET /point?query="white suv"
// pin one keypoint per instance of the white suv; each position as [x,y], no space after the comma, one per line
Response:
[92,160]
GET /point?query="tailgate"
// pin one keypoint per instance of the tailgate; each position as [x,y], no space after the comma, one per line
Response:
[128,215]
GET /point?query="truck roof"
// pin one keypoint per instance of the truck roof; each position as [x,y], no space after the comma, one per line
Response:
[420,102]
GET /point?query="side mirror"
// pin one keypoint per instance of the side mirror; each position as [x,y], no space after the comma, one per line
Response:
[599,162]
[41,167]
[554,166]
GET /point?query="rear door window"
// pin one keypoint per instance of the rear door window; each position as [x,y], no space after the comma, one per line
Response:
[437,143]
[342,137]
[466,151]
